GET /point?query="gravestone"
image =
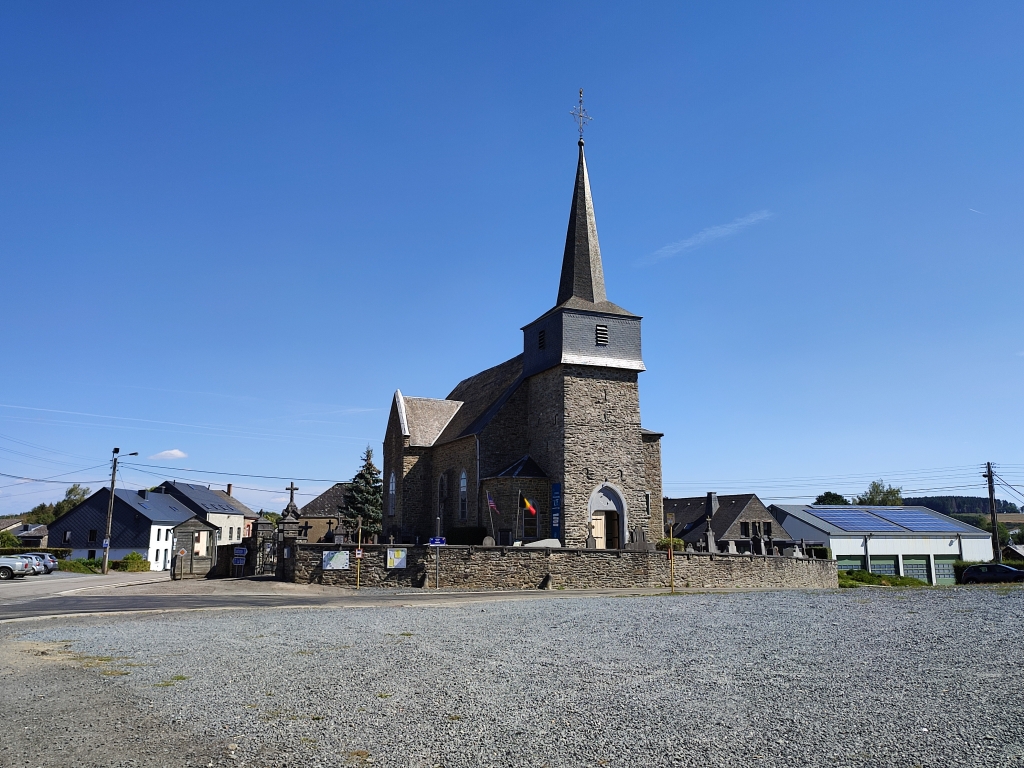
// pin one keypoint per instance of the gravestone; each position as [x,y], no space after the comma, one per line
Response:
[488,541]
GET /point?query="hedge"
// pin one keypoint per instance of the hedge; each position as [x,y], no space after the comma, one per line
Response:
[61,553]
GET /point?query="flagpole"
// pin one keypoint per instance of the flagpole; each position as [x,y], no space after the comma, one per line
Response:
[519,508]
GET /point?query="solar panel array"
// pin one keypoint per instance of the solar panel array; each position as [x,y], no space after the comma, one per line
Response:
[915,520]
[855,520]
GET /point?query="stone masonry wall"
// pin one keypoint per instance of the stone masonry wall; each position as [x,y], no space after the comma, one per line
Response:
[450,459]
[652,476]
[498,568]
[602,443]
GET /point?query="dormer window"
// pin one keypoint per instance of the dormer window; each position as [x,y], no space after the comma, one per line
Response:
[540,339]
[601,336]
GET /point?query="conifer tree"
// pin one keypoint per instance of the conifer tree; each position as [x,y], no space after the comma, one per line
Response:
[365,497]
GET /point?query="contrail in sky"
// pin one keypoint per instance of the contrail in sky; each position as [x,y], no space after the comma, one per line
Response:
[708,235]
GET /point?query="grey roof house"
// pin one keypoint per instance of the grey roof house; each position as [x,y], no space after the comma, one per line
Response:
[142,522]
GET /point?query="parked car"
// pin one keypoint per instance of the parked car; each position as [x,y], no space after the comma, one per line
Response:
[991,572]
[13,568]
[48,560]
[35,563]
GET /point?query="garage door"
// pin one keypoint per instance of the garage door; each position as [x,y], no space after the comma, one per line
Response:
[883,566]
[944,569]
[916,568]
[849,563]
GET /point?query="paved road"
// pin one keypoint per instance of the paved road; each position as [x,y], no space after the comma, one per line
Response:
[62,582]
[83,603]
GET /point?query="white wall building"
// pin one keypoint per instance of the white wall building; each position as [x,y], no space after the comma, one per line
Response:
[898,541]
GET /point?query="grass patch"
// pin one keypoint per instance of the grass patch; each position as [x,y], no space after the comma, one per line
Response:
[854,579]
[115,672]
[405,634]
[170,681]
[384,695]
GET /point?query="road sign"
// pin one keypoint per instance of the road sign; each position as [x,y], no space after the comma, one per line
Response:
[359,554]
[181,553]
[241,551]
[106,543]
[437,541]
[238,561]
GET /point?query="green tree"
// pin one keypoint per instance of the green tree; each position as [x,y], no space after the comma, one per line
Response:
[365,497]
[831,499]
[44,514]
[8,539]
[879,494]
[40,514]
[73,496]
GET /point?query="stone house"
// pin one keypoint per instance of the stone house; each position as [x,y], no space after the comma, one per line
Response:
[320,519]
[558,424]
[740,523]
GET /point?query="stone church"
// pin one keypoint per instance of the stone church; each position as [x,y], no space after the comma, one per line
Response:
[547,445]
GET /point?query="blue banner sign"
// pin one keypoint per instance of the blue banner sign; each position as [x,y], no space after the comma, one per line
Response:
[556,511]
[437,541]
[238,561]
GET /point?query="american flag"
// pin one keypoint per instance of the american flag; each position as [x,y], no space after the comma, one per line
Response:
[490,503]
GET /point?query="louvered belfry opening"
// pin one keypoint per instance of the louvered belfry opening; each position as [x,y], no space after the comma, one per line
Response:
[601,335]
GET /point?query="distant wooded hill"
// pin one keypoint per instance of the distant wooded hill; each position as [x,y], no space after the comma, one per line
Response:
[962,505]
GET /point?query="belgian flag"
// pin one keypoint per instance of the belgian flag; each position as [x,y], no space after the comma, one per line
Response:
[526,505]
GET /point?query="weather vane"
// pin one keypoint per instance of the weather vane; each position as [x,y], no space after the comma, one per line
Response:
[580,115]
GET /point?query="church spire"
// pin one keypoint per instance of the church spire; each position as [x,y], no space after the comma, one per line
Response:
[582,273]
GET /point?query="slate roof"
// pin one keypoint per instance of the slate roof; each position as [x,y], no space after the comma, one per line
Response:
[156,507]
[327,503]
[199,498]
[691,514]
[481,397]
[525,467]
[427,417]
[237,504]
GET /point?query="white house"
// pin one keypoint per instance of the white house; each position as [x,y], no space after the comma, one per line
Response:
[142,522]
[898,541]
[215,507]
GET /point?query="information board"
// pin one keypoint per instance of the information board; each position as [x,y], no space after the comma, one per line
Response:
[336,561]
[396,557]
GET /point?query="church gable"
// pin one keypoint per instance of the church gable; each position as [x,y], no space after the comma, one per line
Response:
[427,418]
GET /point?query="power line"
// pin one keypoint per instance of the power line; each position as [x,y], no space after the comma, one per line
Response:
[235,474]
[234,485]
[50,479]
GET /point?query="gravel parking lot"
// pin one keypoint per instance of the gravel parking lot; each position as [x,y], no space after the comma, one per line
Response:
[864,677]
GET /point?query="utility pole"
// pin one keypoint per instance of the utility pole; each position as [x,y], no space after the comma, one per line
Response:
[110,509]
[992,512]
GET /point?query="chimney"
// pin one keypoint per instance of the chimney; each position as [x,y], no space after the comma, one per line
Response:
[711,505]
[144,493]
[229,489]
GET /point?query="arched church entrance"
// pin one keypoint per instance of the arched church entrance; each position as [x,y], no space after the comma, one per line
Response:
[607,512]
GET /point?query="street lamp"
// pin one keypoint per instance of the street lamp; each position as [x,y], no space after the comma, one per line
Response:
[110,510]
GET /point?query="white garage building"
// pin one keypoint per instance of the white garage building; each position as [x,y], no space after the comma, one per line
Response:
[895,541]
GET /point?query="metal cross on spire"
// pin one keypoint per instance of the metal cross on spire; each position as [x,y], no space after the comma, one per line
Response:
[580,115]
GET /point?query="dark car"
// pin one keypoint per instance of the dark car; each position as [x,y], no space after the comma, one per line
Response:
[991,572]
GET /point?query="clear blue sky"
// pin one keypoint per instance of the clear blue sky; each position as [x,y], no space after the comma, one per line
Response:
[234,229]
